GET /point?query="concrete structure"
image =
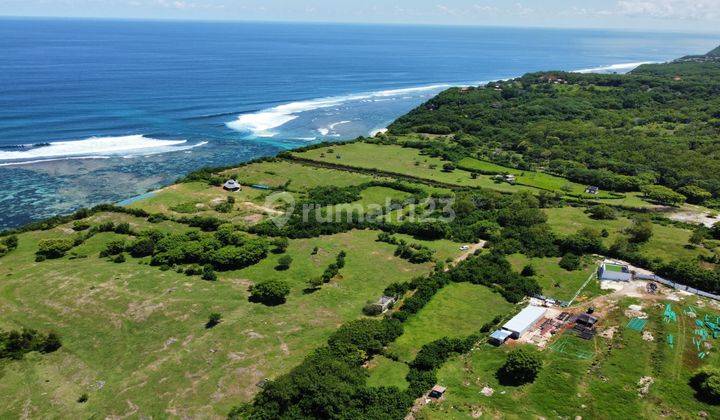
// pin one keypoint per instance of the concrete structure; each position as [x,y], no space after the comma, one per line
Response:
[232,185]
[520,323]
[437,391]
[614,272]
[499,337]
[385,303]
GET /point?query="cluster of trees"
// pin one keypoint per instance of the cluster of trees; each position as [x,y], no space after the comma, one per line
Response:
[54,248]
[332,270]
[8,244]
[331,382]
[228,248]
[15,344]
[619,132]
[414,252]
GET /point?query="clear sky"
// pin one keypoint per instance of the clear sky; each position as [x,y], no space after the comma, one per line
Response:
[661,15]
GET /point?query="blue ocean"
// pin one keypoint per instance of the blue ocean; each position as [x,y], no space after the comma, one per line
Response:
[96,111]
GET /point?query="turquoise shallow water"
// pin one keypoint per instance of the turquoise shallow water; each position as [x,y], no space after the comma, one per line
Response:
[99,111]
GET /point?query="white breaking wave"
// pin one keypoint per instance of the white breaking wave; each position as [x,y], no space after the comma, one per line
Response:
[262,123]
[624,67]
[95,147]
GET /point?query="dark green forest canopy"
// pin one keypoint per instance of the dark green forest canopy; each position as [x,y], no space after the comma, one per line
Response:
[660,123]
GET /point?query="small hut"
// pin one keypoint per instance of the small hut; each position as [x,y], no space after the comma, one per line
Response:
[437,392]
[232,185]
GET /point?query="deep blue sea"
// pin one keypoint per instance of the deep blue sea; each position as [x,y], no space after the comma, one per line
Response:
[95,111]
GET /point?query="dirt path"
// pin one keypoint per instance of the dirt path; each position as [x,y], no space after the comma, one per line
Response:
[470,251]
[262,208]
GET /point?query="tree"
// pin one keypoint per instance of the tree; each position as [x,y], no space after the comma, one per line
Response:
[208,273]
[640,231]
[448,167]
[570,262]
[270,292]
[142,247]
[662,195]
[695,194]
[528,271]
[602,212]
[213,320]
[706,383]
[280,244]
[522,366]
[698,235]
[54,248]
[284,263]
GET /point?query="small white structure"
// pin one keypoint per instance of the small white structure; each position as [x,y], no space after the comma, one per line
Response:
[232,185]
[520,323]
[385,303]
[614,272]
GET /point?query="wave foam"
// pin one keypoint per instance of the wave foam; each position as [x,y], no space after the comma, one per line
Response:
[95,147]
[623,67]
[262,123]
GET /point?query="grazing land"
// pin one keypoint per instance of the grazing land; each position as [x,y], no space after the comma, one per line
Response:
[197,302]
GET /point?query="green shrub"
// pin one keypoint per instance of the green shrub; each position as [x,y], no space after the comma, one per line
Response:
[270,292]
[706,383]
[570,262]
[54,248]
[284,263]
[522,366]
[213,320]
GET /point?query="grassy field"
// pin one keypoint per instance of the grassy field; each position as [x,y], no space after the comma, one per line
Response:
[386,372]
[459,309]
[530,178]
[294,177]
[667,242]
[557,282]
[134,337]
[603,387]
[402,160]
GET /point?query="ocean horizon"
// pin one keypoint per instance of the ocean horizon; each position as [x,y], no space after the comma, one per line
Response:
[96,111]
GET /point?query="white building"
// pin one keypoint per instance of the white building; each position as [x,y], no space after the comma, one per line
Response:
[520,323]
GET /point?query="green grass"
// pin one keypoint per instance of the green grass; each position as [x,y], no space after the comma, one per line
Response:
[402,160]
[140,331]
[614,267]
[294,176]
[557,282]
[667,242]
[386,372]
[457,310]
[539,180]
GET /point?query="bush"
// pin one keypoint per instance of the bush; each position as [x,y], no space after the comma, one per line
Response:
[80,225]
[640,231]
[82,398]
[570,262]
[522,366]
[602,212]
[208,273]
[114,247]
[284,263]
[281,245]
[54,248]
[142,247]
[15,344]
[528,271]
[119,259]
[448,167]
[372,309]
[706,383]
[213,320]
[270,292]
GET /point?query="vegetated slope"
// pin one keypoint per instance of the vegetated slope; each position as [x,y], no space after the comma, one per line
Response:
[657,125]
